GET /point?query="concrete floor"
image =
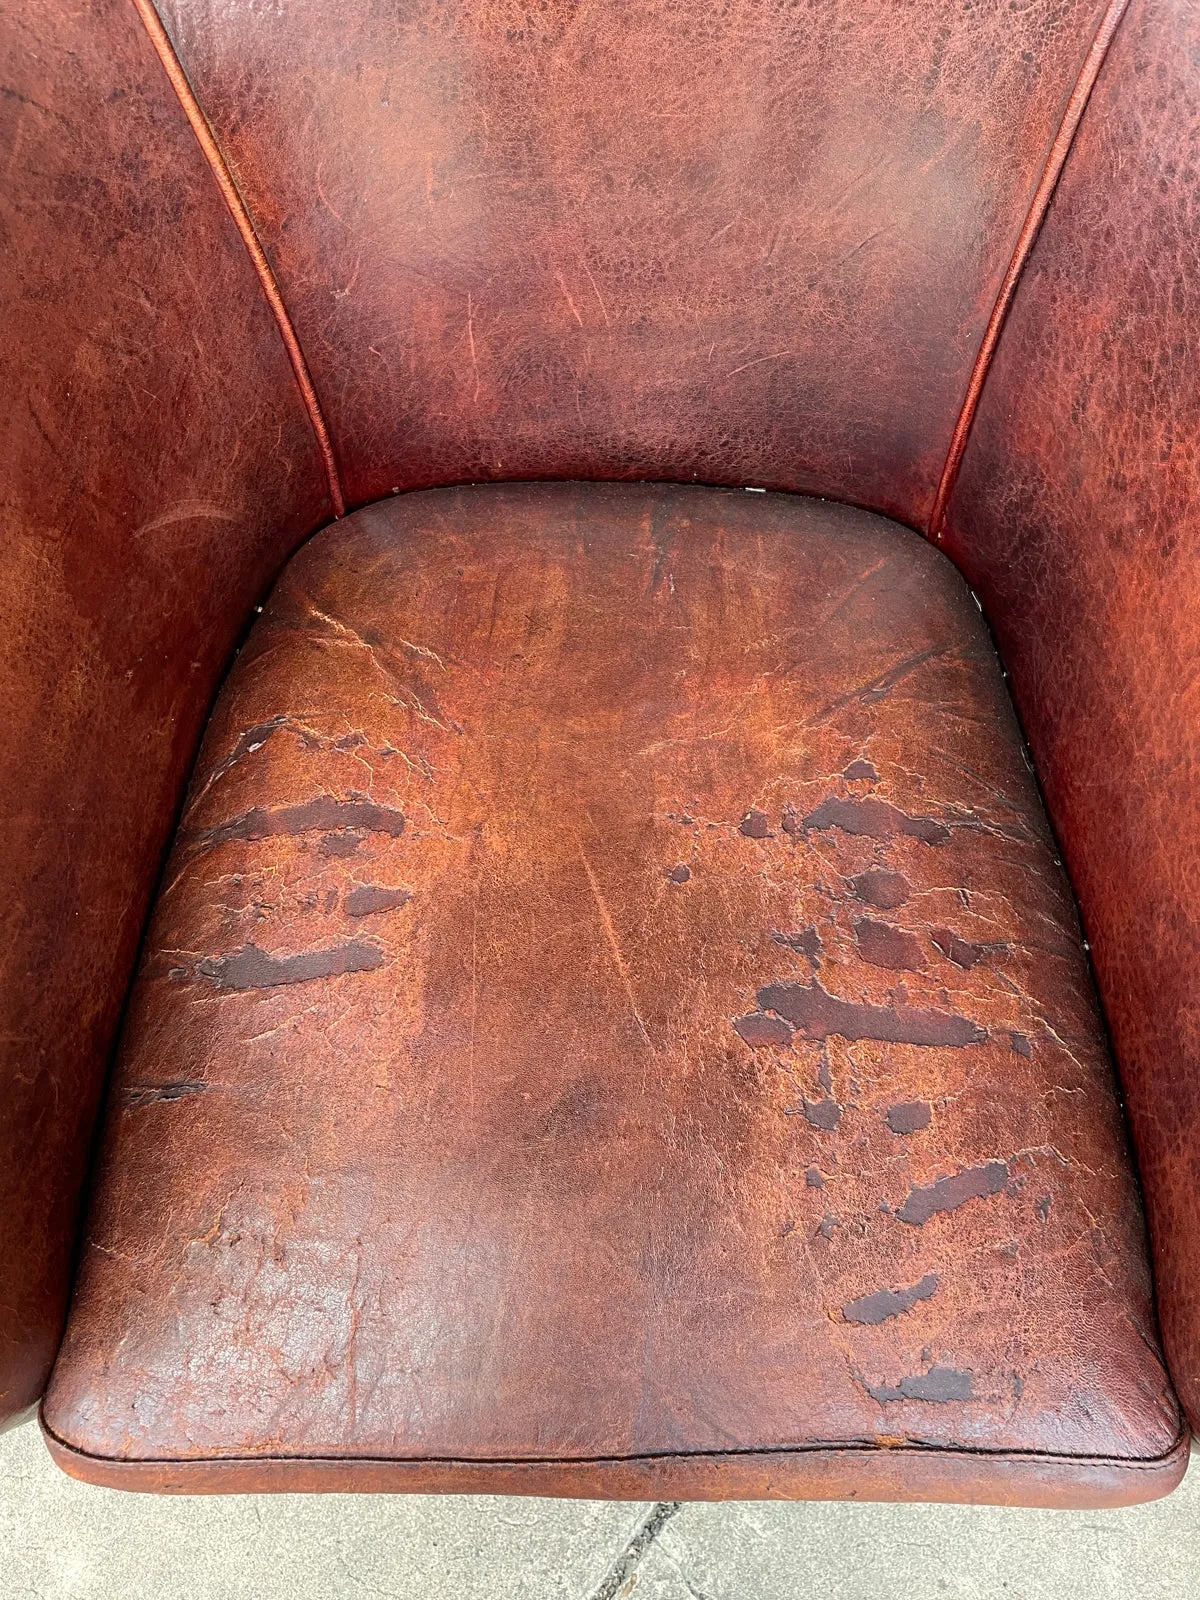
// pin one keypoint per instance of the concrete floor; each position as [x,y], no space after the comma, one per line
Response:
[60,1539]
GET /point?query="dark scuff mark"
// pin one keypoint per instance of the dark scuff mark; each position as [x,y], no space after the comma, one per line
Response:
[939,1384]
[816,1014]
[341,844]
[807,942]
[758,1030]
[823,1114]
[909,1116]
[145,1094]
[1021,1045]
[582,1107]
[860,769]
[873,819]
[813,1178]
[884,1303]
[1043,1208]
[755,825]
[323,814]
[947,1194]
[882,889]
[369,898]
[252,968]
[961,951]
[679,874]
[883,945]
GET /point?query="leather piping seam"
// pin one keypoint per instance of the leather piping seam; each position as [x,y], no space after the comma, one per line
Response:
[830,1447]
[165,50]
[1060,149]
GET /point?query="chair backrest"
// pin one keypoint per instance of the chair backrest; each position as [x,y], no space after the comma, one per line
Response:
[747,243]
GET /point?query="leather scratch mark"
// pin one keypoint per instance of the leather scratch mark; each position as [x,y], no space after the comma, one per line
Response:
[614,943]
[145,1094]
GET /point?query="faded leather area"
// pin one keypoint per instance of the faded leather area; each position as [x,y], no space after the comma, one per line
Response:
[613,996]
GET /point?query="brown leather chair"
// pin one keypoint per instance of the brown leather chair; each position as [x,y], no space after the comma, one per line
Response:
[613,1019]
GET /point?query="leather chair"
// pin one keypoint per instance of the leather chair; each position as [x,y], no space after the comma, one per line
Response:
[610,1016]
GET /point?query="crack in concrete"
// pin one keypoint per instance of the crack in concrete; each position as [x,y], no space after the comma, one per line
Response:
[630,1558]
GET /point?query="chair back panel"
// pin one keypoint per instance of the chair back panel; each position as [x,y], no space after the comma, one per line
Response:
[749,243]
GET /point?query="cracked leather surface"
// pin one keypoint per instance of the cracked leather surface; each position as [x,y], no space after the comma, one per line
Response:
[156,467]
[1077,519]
[745,244]
[613,1010]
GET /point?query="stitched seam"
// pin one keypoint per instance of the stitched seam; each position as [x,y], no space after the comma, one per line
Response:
[832,1447]
[1043,194]
[237,208]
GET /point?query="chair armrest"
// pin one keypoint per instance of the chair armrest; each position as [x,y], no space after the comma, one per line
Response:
[1077,519]
[156,467]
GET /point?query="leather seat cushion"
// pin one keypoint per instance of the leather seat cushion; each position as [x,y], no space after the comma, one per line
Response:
[614,1023]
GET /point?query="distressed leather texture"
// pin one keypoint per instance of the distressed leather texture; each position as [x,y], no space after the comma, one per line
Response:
[614,1022]
[749,244]
[746,246]
[1077,519]
[156,467]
